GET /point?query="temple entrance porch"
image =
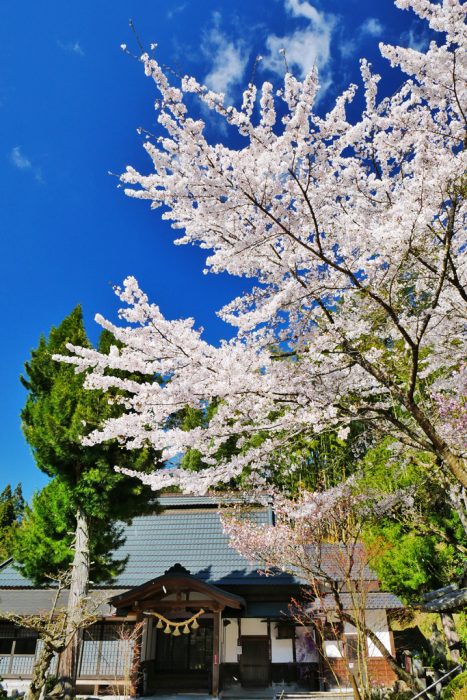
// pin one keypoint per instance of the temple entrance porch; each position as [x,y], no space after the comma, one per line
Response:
[181,647]
[183,662]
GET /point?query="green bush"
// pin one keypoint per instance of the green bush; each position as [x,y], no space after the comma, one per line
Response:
[459,683]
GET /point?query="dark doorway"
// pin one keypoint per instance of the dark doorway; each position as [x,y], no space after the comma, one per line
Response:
[254,662]
[183,662]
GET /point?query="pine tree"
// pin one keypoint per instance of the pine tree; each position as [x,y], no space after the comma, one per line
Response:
[42,545]
[58,413]
[11,510]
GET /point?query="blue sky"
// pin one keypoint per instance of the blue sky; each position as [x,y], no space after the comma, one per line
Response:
[70,103]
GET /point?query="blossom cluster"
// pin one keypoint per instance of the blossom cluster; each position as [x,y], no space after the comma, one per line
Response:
[355,235]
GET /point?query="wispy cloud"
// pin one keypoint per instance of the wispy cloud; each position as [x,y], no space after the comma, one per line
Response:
[71,47]
[176,9]
[22,162]
[306,46]
[372,27]
[415,38]
[228,60]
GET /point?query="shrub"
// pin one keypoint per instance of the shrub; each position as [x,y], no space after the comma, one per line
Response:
[457,688]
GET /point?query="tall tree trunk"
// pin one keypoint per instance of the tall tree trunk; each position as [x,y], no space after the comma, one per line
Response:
[40,672]
[452,638]
[78,591]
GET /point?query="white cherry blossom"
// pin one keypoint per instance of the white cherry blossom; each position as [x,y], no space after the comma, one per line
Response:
[355,236]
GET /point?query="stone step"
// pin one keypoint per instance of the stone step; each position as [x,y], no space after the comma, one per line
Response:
[319,695]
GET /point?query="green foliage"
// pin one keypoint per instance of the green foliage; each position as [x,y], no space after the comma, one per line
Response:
[425,549]
[58,413]
[319,462]
[453,690]
[406,563]
[315,462]
[11,510]
[43,542]
[44,538]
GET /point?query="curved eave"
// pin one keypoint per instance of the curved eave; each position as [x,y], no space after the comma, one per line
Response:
[176,583]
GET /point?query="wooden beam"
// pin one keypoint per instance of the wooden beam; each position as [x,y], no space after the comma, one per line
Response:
[216,653]
[160,605]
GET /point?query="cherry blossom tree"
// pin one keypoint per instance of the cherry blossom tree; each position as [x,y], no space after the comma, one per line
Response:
[316,538]
[353,233]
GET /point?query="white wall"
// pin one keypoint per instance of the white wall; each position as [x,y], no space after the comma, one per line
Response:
[281,649]
[253,625]
[377,622]
[229,638]
[332,649]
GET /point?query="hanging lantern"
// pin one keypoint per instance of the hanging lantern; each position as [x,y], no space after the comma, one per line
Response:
[160,624]
[186,630]
[176,632]
[167,629]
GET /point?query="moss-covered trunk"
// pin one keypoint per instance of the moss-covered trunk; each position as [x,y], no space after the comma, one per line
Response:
[40,672]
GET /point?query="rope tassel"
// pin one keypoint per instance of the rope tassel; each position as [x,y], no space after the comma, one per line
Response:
[174,627]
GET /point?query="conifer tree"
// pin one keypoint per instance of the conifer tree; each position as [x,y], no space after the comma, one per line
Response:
[11,510]
[57,415]
[42,545]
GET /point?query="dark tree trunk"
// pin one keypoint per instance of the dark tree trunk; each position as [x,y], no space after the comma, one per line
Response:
[78,591]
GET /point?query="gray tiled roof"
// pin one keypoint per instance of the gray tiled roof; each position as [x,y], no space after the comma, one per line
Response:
[334,560]
[27,602]
[373,600]
[181,500]
[189,532]
[192,537]
[11,578]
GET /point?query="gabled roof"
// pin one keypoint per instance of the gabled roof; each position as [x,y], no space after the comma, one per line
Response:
[178,580]
[188,532]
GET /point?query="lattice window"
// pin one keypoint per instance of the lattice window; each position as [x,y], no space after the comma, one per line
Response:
[18,649]
[104,653]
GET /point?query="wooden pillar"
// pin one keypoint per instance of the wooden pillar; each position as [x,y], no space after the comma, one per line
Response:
[321,648]
[216,652]
[268,621]
[135,667]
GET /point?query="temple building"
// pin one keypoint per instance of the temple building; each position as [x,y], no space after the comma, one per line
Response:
[210,621]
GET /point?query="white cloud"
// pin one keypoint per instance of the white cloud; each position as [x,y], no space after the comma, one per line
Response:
[70,47]
[19,160]
[372,27]
[349,45]
[306,46]
[228,61]
[302,8]
[22,162]
[417,40]
[176,10]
